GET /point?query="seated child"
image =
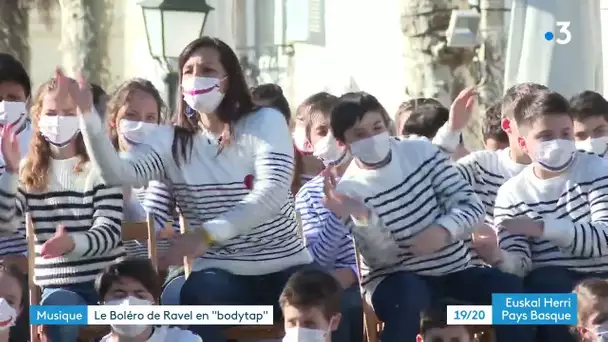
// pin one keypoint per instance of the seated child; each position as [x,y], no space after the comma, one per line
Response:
[494,137]
[552,217]
[405,110]
[135,282]
[434,326]
[77,218]
[134,112]
[592,298]
[13,300]
[310,303]
[409,210]
[590,113]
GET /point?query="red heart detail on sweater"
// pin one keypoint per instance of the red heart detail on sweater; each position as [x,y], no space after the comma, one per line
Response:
[248,182]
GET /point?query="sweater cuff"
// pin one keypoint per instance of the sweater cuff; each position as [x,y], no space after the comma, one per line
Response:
[455,230]
[371,220]
[91,122]
[81,244]
[9,182]
[447,140]
[219,230]
[559,231]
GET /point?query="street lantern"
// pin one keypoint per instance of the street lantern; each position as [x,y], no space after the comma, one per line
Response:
[172,24]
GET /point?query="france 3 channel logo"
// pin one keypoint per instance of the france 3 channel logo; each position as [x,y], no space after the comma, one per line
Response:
[518,308]
[563,35]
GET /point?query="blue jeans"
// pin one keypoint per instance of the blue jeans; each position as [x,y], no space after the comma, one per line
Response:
[220,287]
[401,297]
[351,325]
[73,294]
[555,279]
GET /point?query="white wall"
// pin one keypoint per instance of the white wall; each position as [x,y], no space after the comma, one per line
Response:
[363,48]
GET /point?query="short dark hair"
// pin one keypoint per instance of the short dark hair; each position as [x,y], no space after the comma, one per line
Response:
[273,94]
[436,317]
[410,105]
[136,268]
[516,92]
[313,288]
[588,104]
[11,70]
[426,120]
[351,108]
[492,128]
[534,105]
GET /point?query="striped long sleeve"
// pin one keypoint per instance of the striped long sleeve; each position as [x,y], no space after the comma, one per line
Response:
[463,208]
[516,249]
[146,162]
[273,165]
[327,238]
[158,200]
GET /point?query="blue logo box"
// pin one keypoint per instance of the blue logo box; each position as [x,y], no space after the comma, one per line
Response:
[58,315]
[534,308]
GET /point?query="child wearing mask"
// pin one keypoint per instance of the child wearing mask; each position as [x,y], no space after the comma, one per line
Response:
[15,90]
[135,282]
[310,303]
[590,113]
[552,217]
[77,218]
[13,299]
[409,210]
[327,239]
[134,112]
[592,305]
[434,326]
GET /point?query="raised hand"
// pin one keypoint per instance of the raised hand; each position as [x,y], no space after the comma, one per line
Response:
[485,242]
[461,110]
[10,149]
[341,205]
[60,244]
[430,240]
[78,90]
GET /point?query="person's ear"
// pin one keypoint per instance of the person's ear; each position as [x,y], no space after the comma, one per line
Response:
[419,338]
[522,144]
[335,322]
[505,124]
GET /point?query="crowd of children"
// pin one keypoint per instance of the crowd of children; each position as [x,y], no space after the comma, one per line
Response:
[280,207]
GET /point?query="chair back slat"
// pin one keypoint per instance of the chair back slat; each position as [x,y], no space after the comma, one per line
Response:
[31,262]
[183,228]
[143,231]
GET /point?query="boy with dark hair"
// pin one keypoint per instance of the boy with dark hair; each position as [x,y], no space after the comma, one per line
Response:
[590,113]
[494,137]
[434,326]
[406,108]
[552,218]
[409,210]
[15,91]
[311,302]
[426,120]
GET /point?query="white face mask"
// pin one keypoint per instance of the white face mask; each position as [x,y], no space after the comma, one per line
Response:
[594,145]
[301,140]
[8,315]
[298,334]
[136,132]
[13,113]
[328,151]
[58,130]
[128,330]
[202,93]
[555,155]
[372,150]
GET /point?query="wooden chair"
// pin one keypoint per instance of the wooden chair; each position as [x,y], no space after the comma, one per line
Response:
[139,231]
[372,326]
[245,332]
